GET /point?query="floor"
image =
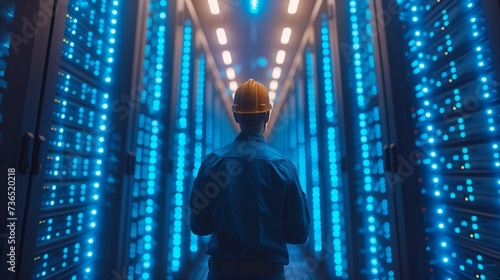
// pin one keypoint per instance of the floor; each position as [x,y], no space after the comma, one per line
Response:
[298,268]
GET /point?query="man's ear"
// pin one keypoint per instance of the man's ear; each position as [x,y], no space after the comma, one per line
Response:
[267,116]
[236,117]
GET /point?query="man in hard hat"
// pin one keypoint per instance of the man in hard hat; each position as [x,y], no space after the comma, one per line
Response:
[249,198]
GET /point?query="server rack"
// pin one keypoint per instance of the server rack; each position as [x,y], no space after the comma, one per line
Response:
[312,139]
[384,249]
[145,203]
[301,130]
[64,80]
[451,69]
[201,125]
[68,110]
[316,128]
[331,110]
[435,170]
[21,81]
[198,133]
[334,253]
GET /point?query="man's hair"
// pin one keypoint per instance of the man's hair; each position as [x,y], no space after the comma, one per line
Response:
[251,119]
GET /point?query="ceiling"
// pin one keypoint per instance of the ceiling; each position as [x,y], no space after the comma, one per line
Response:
[253,38]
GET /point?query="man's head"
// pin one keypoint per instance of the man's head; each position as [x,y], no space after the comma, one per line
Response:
[251,106]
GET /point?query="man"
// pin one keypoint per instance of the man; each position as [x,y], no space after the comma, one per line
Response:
[249,198]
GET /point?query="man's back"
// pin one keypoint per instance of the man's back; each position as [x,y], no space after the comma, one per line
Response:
[249,197]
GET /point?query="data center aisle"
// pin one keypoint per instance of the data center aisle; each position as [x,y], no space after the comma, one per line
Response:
[297,269]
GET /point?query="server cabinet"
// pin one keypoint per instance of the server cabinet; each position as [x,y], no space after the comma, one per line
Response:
[144,210]
[334,253]
[438,165]
[198,133]
[70,95]
[21,81]
[288,134]
[375,228]
[201,125]
[283,136]
[450,68]
[183,153]
[290,119]
[297,92]
[46,244]
[312,186]
[209,133]
[73,118]
[308,131]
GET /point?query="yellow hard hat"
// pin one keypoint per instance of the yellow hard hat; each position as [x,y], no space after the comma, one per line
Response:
[251,98]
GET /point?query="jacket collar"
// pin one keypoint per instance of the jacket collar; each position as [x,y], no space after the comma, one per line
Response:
[251,136]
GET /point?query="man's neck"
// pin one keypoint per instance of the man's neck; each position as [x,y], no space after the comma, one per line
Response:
[252,129]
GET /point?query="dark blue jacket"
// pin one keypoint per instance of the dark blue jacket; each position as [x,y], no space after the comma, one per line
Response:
[249,198]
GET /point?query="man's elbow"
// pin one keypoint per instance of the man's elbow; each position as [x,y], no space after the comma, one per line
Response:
[201,230]
[297,241]
[298,237]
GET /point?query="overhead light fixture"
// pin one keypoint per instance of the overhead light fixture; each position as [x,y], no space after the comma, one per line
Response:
[226,56]
[254,6]
[293,6]
[273,85]
[230,73]
[285,36]
[221,36]
[280,57]
[214,7]
[272,95]
[233,85]
[276,72]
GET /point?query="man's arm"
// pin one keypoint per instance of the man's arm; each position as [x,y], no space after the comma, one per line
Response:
[201,219]
[296,213]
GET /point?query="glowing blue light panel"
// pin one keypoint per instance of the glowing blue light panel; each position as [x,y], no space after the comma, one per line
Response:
[254,6]
[292,133]
[378,228]
[332,133]
[456,127]
[301,139]
[182,139]
[217,128]
[68,225]
[147,178]
[313,141]
[6,17]
[198,145]
[209,124]
[283,136]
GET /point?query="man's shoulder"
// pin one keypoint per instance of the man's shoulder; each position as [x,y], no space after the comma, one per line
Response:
[276,154]
[210,159]
[257,150]
[222,151]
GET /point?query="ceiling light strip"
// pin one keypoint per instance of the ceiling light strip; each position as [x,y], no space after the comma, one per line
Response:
[280,57]
[233,85]
[273,85]
[226,57]
[293,69]
[293,6]
[221,36]
[231,75]
[219,84]
[214,7]
[276,73]
[285,35]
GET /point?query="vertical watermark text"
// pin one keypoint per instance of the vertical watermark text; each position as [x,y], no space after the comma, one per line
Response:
[11,219]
